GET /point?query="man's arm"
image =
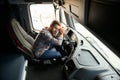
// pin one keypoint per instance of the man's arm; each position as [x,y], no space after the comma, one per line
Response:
[59,38]
[57,41]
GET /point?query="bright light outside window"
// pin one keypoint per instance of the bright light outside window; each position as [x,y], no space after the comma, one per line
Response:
[42,15]
[63,17]
[57,15]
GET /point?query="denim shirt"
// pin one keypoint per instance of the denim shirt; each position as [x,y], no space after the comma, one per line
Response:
[43,42]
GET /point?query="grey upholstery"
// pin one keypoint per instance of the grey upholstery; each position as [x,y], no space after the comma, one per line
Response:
[23,37]
[13,66]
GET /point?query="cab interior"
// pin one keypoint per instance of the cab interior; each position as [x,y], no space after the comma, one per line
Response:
[91,41]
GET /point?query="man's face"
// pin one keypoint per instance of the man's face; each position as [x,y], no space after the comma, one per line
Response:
[55,29]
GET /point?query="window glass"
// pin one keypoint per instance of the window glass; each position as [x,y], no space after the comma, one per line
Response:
[57,14]
[63,17]
[77,25]
[42,15]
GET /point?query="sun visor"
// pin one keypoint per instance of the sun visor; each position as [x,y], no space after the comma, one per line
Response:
[75,8]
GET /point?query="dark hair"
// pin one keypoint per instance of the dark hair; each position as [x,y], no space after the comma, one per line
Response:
[55,22]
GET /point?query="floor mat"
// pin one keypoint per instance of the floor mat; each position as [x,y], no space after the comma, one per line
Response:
[45,72]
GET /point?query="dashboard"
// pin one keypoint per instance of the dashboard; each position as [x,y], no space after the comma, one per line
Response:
[84,61]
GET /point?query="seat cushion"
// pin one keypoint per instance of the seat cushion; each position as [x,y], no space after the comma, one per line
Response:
[11,66]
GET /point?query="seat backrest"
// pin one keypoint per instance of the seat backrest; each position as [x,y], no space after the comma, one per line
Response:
[21,38]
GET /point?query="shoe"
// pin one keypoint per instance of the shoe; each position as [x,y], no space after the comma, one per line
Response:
[47,62]
[36,60]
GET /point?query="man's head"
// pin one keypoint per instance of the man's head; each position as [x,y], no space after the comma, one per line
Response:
[54,27]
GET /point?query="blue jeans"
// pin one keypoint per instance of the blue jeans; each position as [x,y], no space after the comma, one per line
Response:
[51,53]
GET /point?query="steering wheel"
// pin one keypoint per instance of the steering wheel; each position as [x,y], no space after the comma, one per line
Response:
[67,45]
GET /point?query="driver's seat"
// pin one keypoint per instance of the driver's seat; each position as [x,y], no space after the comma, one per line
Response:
[21,38]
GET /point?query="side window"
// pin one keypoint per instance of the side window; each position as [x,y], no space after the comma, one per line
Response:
[42,15]
[58,14]
[77,25]
[63,18]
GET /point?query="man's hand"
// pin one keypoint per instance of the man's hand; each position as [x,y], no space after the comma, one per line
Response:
[62,31]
